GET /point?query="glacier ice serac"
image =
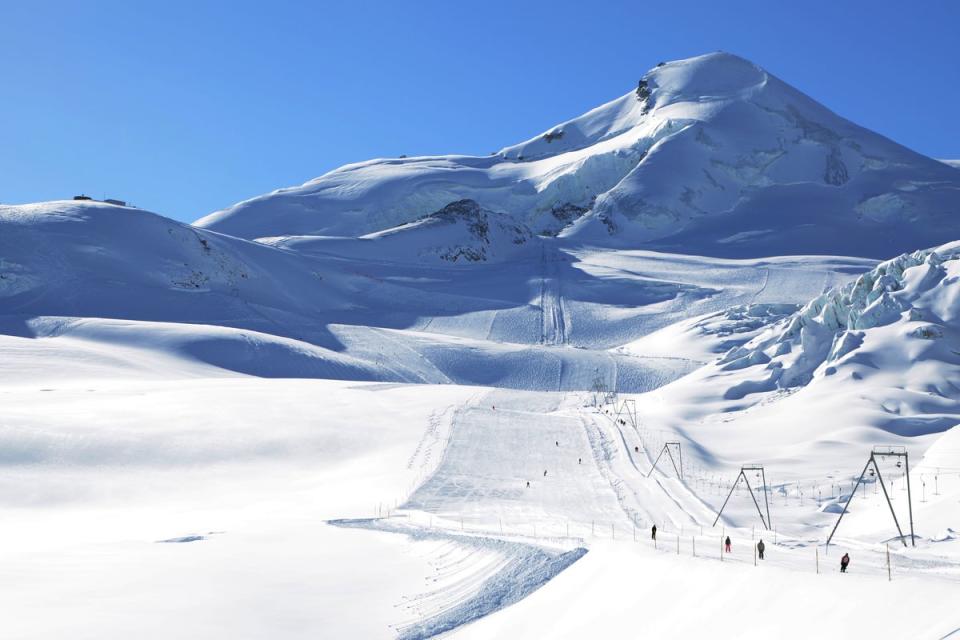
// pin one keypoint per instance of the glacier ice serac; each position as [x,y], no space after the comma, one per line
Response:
[712,154]
[424,396]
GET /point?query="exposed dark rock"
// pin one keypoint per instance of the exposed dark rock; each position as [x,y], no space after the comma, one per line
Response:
[836,171]
[550,136]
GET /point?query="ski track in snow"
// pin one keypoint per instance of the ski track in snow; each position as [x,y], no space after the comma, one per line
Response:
[475,576]
[430,271]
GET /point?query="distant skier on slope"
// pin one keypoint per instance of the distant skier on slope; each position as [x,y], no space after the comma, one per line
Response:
[726,544]
[579,460]
[544,473]
[760,548]
[653,533]
[528,484]
[844,561]
[557,443]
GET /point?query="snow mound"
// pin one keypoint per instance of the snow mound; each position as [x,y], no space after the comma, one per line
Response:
[87,259]
[709,155]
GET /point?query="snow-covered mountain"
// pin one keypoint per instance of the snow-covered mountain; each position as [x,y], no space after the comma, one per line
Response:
[474,366]
[710,155]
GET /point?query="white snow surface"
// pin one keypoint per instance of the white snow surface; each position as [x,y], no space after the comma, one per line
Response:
[406,406]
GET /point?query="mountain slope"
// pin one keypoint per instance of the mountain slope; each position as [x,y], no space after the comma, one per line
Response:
[874,361]
[460,233]
[710,155]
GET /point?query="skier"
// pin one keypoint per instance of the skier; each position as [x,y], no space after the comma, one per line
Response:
[579,460]
[760,548]
[636,449]
[726,544]
[653,533]
[844,561]
[528,484]
[544,473]
[557,442]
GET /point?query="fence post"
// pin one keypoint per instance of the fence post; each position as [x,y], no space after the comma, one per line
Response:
[754,555]
[693,540]
[721,548]
[889,578]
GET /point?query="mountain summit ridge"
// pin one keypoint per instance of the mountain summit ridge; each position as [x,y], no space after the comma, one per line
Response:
[710,155]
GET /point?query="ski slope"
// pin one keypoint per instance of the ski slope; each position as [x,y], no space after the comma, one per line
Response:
[451,396]
[140,428]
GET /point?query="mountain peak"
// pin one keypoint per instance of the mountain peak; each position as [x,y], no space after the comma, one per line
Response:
[711,75]
[709,154]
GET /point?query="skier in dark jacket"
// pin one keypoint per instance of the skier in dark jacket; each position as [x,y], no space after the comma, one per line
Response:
[726,544]
[760,548]
[653,533]
[844,561]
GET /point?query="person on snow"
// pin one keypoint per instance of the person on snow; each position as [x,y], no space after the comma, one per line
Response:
[636,449]
[726,544]
[557,442]
[844,561]
[653,532]
[528,484]
[579,460]
[760,548]
[544,473]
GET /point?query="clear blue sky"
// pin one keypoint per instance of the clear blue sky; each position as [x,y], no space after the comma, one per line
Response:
[186,107]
